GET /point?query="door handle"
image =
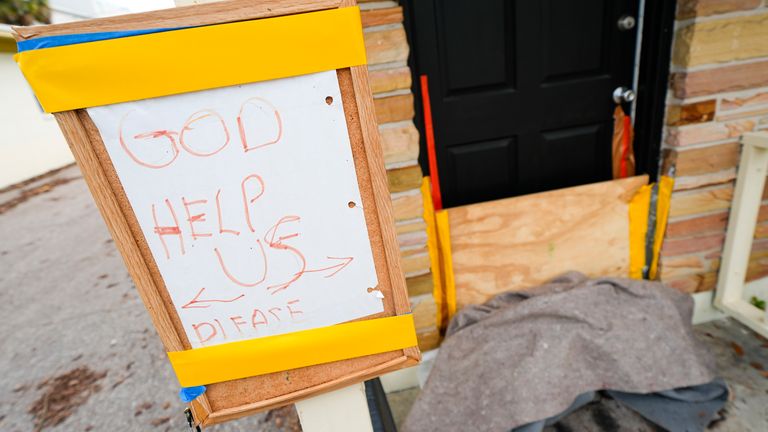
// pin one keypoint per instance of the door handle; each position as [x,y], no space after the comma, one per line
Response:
[626,22]
[623,95]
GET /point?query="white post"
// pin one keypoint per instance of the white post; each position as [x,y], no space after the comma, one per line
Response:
[344,410]
[741,229]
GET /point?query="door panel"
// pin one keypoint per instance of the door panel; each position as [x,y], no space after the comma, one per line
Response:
[573,39]
[485,168]
[468,68]
[521,91]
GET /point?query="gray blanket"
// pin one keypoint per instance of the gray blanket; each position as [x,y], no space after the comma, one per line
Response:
[526,356]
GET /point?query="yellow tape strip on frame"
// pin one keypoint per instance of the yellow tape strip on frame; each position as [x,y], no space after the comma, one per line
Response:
[181,61]
[269,354]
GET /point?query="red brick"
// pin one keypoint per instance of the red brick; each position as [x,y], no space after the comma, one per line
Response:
[694,283]
[698,8]
[704,160]
[682,246]
[722,79]
[698,225]
[694,202]
[697,112]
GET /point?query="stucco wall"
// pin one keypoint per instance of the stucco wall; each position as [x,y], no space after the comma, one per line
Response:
[30,140]
[718,90]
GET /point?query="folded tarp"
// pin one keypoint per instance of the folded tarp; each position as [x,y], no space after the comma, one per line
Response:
[524,357]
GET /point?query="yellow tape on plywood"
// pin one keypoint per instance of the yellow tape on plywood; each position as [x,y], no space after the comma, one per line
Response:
[444,237]
[434,252]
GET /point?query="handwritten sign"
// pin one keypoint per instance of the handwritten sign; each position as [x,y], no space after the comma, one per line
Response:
[248,199]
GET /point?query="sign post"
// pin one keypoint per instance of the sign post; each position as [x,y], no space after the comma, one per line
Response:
[344,410]
[232,149]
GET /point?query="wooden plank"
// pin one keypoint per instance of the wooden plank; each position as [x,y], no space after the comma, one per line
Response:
[185,16]
[517,243]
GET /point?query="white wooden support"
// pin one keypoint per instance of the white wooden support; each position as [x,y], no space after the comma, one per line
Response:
[741,230]
[344,410]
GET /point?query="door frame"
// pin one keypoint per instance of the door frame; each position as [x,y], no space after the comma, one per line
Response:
[652,82]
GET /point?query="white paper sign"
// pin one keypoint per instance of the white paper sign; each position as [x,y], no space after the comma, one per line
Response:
[248,198]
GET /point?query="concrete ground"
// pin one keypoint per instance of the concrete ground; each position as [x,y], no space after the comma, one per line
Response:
[79,352]
[67,304]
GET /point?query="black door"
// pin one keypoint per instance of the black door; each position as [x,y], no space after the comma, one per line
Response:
[521,91]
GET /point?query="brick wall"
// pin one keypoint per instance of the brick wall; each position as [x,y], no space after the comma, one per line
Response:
[718,90]
[387,50]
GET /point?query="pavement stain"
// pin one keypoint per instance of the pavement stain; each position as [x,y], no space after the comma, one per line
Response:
[143,407]
[737,349]
[159,421]
[62,395]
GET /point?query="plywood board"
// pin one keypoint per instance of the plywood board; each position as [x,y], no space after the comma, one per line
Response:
[232,399]
[517,243]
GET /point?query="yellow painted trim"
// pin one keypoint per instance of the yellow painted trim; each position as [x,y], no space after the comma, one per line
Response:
[265,355]
[181,61]
[444,236]
[638,226]
[666,184]
[434,251]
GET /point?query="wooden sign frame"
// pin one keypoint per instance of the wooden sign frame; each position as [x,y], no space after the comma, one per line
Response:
[232,399]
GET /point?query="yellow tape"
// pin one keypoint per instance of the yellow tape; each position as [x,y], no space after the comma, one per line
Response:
[638,226]
[639,207]
[181,61]
[434,251]
[662,214]
[444,242]
[265,355]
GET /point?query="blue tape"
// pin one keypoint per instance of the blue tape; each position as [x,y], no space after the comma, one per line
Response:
[188,394]
[72,39]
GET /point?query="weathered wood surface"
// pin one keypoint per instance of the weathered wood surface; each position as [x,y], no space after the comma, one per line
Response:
[517,243]
[185,16]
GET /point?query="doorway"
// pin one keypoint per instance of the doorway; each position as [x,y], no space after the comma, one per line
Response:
[521,91]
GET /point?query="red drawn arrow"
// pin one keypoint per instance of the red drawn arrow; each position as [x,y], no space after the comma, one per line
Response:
[192,303]
[339,267]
